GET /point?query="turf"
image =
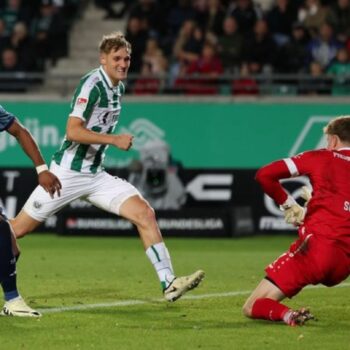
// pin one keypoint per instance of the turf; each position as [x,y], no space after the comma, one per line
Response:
[57,271]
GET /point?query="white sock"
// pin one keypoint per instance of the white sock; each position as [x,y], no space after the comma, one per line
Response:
[159,256]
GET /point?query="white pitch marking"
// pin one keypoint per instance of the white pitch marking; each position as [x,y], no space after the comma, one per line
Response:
[142,302]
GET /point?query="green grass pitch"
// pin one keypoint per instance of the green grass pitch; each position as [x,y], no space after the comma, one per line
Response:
[70,272]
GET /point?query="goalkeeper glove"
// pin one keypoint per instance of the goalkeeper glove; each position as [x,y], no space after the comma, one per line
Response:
[293,212]
[306,195]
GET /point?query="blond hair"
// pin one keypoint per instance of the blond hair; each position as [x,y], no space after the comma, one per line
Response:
[339,126]
[113,42]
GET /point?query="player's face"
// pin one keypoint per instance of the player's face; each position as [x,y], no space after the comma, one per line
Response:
[116,64]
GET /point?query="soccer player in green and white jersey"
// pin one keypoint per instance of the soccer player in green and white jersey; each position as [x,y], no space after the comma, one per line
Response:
[78,164]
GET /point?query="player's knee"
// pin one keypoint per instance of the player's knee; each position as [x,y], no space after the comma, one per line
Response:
[145,216]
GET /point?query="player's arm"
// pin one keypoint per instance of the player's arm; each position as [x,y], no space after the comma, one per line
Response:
[269,178]
[77,132]
[46,179]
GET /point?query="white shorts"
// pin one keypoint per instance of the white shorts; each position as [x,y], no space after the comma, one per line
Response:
[102,190]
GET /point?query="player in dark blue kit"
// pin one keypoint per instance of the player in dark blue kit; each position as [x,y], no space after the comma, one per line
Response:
[14,304]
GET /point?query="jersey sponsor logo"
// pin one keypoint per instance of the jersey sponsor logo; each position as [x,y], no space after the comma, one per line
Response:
[108,118]
[81,101]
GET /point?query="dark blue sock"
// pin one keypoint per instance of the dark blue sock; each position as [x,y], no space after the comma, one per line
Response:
[8,276]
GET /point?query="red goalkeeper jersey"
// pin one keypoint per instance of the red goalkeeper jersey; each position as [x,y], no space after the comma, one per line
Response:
[328,212]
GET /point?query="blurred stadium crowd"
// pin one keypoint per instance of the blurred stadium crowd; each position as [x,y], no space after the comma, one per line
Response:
[32,32]
[188,39]
[33,35]
[197,43]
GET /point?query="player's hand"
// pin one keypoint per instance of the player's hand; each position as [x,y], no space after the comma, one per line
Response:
[294,215]
[123,141]
[306,195]
[50,183]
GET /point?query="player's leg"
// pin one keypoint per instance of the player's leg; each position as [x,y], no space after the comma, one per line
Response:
[14,304]
[264,303]
[120,197]
[40,206]
[139,212]
[286,276]
[265,289]
[7,261]
[15,247]
[23,224]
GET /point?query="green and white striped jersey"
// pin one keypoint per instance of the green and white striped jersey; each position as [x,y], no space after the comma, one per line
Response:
[97,102]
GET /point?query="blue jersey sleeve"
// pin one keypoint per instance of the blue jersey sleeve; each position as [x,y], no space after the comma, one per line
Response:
[6,119]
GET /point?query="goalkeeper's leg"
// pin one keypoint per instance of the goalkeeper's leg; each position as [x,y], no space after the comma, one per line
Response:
[264,303]
[265,291]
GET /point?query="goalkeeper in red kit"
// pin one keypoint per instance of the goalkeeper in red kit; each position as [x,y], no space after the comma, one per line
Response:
[321,254]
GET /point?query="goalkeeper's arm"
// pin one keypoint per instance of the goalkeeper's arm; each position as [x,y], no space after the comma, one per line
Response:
[269,178]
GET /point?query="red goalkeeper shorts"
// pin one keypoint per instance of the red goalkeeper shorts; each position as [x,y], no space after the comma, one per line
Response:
[309,260]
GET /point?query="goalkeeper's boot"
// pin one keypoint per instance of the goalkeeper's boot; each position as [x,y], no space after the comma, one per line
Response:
[18,307]
[300,317]
[181,285]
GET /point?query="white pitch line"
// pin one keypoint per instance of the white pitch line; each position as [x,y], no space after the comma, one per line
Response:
[142,302]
